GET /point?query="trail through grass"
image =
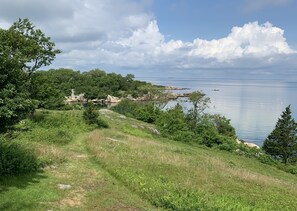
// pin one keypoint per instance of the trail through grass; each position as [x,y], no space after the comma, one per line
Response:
[129,167]
[91,187]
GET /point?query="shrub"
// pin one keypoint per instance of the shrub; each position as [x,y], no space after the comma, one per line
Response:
[102,123]
[91,116]
[184,136]
[16,159]
[146,112]
[126,107]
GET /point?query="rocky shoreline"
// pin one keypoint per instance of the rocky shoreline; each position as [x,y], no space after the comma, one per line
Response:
[111,99]
[172,88]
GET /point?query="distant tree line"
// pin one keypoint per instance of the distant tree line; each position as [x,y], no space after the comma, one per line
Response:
[50,87]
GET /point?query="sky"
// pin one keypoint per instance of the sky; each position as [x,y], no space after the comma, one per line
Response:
[215,38]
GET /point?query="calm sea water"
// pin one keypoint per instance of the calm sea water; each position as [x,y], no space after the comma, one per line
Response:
[252,105]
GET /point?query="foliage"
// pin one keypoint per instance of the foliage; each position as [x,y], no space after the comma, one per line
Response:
[200,103]
[48,95]
[16,158]
[191,127]
[91,116]
[23,49]
[15,103]
[146,112]
[50,87]
[172,124]
[52,127]
[126,107]
[40,50]
[223,125]
[282,141]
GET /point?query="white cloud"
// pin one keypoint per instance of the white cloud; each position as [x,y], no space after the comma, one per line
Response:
[251,40]
[124,33]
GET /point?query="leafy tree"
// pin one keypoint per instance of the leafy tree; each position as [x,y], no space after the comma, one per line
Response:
[200,102]
[23,49]
[223,125]
[172,122]
[282,141]
[45,90]
[40,50]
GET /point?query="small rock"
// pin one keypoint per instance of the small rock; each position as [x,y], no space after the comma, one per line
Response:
[154,130]
[64,186]
[122,117]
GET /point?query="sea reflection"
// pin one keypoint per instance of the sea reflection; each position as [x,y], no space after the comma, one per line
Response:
[253,106]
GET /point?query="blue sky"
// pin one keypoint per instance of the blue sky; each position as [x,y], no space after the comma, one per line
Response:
[215,38]
[189,19]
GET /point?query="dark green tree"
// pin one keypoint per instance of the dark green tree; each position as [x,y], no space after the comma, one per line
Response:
[39,51]
[282,141]
[23,49]
[195,115]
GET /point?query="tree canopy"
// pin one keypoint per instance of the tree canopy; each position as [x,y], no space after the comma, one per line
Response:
[282,141]
[23,49]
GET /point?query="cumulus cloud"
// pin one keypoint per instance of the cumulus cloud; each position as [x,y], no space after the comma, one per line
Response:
[251,40]
[124,33]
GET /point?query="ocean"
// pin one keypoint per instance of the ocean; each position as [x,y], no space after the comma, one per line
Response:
[253,106]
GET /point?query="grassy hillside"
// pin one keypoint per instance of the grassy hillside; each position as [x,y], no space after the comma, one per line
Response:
[129,167]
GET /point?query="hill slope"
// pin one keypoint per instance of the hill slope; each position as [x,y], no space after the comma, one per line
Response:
[129,167]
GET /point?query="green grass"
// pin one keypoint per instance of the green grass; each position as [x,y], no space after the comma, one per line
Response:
[92,188]
[177,176]
[128,167]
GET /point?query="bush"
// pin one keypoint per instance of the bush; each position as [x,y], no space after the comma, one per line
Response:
[102,123]
[184,136]
[91,116]
[146,112]
[16,159]
[126,107]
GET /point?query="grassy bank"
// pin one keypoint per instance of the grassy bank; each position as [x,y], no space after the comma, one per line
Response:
[129,167]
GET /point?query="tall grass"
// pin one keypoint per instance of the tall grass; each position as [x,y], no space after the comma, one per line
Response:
[55,127]
[176,176]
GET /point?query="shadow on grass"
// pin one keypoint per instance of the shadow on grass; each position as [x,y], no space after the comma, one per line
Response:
[13,201]
[20,181]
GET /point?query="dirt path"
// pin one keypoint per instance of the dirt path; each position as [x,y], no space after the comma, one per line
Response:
[87,186]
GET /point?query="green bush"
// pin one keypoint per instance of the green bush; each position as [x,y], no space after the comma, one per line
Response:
[102,123]
[126,107]
[146,112]
[91,117]
[90,114]
[16,159]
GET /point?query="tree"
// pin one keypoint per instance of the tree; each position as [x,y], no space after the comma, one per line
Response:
[282,141]
[22,50]
[40,50]
[200,102]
